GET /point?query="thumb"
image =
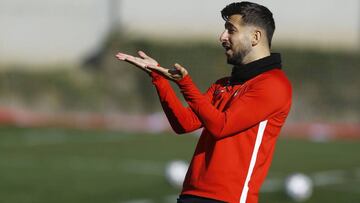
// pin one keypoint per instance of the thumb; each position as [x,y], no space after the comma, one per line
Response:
[180,68]
[143,55]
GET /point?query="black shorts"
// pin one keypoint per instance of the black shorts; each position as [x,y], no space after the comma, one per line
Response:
[196,199]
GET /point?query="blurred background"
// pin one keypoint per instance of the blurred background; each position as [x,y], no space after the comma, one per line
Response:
[79,126]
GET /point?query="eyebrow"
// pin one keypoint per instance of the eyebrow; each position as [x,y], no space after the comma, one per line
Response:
[229,24]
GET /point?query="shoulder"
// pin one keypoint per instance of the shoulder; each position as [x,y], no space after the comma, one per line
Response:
[273,78]
[275,82]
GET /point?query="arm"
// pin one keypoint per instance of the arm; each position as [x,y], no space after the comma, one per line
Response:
[181,119]
[246,111]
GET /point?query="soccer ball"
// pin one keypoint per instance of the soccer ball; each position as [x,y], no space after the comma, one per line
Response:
[175,172]
[298,187]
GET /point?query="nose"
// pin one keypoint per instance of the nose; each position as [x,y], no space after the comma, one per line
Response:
[223,36]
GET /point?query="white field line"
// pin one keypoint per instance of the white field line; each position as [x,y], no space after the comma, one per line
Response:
[272,185]
[325,178]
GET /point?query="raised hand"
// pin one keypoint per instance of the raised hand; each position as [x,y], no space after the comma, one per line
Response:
[143,62]
[176,73]
[148,64]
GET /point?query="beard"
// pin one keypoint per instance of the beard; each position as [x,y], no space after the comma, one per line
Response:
[238,57]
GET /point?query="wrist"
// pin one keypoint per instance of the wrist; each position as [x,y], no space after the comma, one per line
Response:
[184,79]
[156,75]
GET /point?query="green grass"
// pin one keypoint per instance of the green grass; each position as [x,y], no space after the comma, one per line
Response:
[59,165]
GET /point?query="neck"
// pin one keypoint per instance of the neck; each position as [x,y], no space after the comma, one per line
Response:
[243,72]
[255,55]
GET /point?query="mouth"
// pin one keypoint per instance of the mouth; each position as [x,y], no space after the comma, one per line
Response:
[227,47]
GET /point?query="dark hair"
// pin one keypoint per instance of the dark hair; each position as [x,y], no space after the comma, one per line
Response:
[252,14]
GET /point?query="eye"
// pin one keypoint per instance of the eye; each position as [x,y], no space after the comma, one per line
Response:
[231,30]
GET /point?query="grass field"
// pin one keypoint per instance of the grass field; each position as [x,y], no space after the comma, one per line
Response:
[58,165]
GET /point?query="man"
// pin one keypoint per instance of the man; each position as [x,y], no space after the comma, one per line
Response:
[241,115]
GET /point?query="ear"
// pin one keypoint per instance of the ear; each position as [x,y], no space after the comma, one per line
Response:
[256,37]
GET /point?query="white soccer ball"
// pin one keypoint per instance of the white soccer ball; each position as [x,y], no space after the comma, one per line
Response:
[175,172]
[299,187]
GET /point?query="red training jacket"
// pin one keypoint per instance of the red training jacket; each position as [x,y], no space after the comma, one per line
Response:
[241,124]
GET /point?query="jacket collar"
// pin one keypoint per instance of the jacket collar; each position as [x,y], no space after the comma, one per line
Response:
[243,73]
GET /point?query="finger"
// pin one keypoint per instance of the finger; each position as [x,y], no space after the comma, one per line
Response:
[181,69]
[128,58]
[178,66]
[133,60]
[139,64]
[120,57]
[143,55]
[123,56]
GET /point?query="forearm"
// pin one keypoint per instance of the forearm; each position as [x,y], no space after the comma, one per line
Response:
[182,119]
[211,118]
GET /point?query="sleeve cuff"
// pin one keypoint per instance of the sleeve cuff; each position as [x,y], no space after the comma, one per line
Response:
[184,80]
[156,76]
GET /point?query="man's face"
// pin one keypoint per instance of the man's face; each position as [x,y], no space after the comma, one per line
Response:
[236,39]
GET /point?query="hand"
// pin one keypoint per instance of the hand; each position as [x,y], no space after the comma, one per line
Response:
[176,73]
[143,62]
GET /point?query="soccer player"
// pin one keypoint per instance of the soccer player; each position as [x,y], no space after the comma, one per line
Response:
[241,115]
